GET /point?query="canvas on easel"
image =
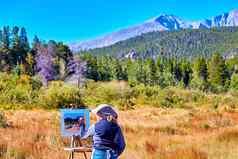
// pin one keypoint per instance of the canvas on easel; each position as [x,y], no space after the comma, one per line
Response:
[74,124]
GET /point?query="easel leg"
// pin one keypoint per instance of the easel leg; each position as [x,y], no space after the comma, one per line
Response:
[74,141]
[72,144]
[80,144]
[84,153]
[71,155]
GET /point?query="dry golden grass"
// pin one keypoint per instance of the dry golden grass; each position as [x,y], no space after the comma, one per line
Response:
[150,134]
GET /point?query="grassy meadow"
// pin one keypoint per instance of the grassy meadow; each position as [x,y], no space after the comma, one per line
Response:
[171,123]
[151,133]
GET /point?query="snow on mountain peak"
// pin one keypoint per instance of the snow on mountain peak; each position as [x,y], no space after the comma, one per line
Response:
[233,18]
[234,12]
[162,22]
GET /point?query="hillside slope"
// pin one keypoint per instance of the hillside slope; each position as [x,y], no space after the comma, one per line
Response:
[184,43]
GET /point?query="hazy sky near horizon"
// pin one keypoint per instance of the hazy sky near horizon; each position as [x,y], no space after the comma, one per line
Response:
[75,20]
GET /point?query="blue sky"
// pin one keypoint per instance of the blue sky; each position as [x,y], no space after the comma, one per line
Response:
[75,20]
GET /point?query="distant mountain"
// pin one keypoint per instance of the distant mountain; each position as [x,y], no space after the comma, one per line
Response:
[187,43]
[161,23]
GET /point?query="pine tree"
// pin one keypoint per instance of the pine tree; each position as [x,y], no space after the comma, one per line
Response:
[150,72]
[218,74]
[23,47]
[200,74]
[64,52]
[104,70]
[15,47]
[177,70]
[6,38]
[92,68]
[200,68]
[15,38]
[117,70]
[1,39]
[5,49]
[132,72]
[160,64]
[186,72]
[24,44]
[35,43]
[140,71]
[30,64]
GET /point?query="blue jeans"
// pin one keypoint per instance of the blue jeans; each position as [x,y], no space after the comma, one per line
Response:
[103,154]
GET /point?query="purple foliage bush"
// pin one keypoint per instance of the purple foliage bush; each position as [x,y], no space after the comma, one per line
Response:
[44,63]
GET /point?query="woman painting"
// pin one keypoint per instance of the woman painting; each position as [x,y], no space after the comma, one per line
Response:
[108,140]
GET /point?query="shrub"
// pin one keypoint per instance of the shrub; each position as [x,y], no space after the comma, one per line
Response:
[148,91]
[234,82]
[16,154]
[197,83]
[228,103]
[166,79]
[216,100]
[217,89]
[116,93]
[36,83]
[60,95]
[127,99]
[97,93]
[16,90]
[19,94]
[170,99]
[3,121]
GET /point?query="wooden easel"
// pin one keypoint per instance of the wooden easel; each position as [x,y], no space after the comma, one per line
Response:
[76,146]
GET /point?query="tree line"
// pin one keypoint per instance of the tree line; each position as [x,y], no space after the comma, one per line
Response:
[214,74]
[54,61]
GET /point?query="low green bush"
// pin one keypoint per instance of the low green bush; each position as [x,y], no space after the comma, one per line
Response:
[119,94]
[3,121]
[16,154]
[25,92]
[148,91]
[170,99]
[59,95]
[16,90]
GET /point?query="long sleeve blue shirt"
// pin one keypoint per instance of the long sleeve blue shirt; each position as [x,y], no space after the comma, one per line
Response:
[107,135]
